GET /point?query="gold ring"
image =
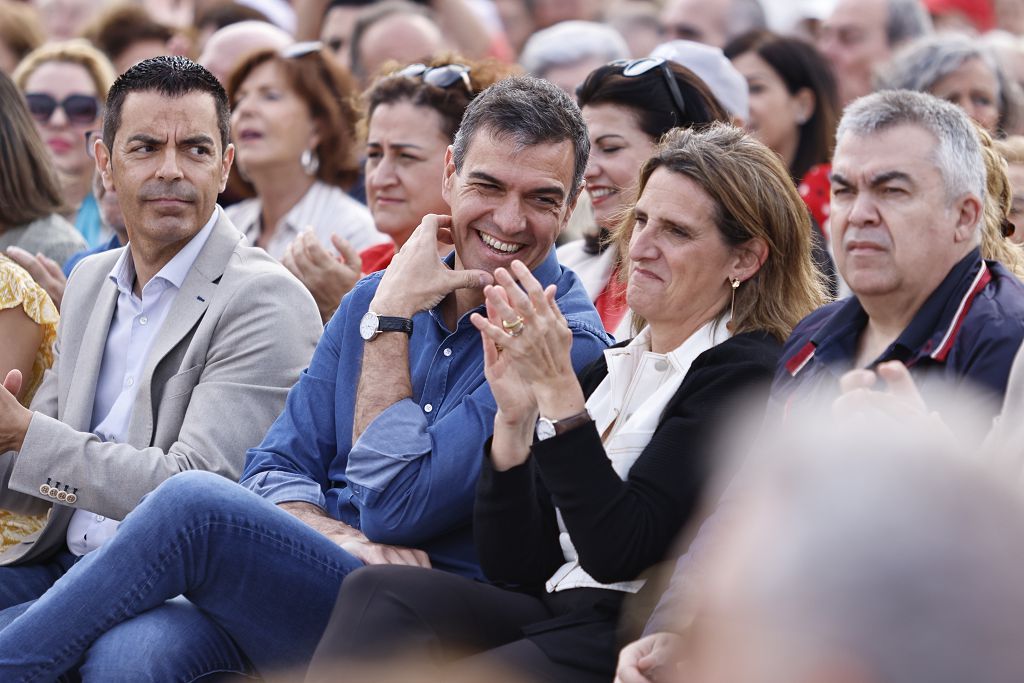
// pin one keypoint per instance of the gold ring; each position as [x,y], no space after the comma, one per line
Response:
[514,324]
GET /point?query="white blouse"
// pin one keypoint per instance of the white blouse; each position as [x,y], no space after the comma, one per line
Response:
[324,208]
[626,407]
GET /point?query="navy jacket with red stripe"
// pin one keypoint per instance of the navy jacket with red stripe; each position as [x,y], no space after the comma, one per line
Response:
[967,332]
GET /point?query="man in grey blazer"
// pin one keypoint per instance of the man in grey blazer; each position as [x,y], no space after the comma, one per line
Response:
[174,353]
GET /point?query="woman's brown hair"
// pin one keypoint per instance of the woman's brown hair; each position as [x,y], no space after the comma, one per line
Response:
[329,92]
[998,201]
[29,188]
[450,103]
[754,198]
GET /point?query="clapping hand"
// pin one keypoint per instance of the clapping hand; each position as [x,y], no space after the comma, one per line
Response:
[535,337]
[14,417]
[527,361]
[327,277]
[44,270]
[900,399]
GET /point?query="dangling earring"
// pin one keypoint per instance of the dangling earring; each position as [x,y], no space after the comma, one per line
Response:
[732,308]
[310,162]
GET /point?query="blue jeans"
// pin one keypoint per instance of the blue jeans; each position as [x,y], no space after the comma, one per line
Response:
[136,651]
[267,580]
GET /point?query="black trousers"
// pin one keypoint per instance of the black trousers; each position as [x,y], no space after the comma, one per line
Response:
[385,611]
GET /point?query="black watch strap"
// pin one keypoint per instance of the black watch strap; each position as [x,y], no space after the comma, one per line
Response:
[390,323]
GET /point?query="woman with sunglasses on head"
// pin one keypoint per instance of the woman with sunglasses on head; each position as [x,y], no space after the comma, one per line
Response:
[293,123]
[30,191]
[588,480]
[411,118]
[628,106]
[65,85]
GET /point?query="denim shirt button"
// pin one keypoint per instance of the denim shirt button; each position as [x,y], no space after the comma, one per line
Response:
[428,408]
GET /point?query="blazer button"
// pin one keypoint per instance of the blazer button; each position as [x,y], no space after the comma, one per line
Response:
[71,499]
[61,495]
[44,489]
[52,493]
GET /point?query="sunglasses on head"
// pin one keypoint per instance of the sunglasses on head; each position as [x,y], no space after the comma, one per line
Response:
[301,49]
[80,109]
[439,76]
[638,67]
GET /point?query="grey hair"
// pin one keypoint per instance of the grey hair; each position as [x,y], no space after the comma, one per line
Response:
[907,20]
[926,61]
[526,111]
[958,152]
[746,15]
[568,42]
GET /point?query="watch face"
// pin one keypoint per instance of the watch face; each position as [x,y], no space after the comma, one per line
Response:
[368,326]
[545,429]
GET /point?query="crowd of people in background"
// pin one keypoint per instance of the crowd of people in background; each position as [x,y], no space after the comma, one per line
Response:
[512,340]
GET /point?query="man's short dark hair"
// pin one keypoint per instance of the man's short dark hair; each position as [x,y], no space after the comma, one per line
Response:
[526,111]
[171,76]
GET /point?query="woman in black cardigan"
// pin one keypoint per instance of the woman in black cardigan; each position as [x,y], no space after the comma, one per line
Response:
[587,480]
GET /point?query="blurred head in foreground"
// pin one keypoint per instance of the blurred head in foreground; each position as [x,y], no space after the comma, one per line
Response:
[866,556]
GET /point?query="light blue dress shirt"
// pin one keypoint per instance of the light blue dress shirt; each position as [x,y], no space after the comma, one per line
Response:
[136,323]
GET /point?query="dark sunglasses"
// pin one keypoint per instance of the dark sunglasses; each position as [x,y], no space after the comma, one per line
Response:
[638,67]
[440,76]
[79,109]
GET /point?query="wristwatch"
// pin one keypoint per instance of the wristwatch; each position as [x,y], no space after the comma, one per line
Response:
[547,428]
[372,324]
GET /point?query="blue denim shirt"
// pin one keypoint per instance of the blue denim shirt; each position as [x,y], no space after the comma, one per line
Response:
[410,478]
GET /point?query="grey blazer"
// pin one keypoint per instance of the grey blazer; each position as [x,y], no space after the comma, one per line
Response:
[240,331]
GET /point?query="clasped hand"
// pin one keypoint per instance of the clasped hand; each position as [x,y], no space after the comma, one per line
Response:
[527,345]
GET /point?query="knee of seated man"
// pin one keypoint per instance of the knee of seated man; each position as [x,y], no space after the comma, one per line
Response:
[172,642]
[194,487]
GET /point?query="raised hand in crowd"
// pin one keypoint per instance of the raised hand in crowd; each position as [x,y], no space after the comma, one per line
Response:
[43,270]
[532,373]
[14,417]
[328,277]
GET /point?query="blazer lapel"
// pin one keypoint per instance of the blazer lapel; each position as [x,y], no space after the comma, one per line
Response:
[188,308]
[77,411]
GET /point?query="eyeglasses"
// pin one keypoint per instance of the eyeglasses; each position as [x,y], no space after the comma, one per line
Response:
[440,76]
[638,67]
[306,47]
[79,109]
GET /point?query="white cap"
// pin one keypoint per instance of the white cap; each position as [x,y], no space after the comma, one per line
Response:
[711,64]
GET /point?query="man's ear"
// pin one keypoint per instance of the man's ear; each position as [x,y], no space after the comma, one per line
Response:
[225,165]
[570,208]
[102,156]
[750,256]
[448,181]
[969,212]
